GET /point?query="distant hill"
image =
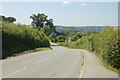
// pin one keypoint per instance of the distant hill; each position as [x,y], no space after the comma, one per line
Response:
[83,29]
[80,28]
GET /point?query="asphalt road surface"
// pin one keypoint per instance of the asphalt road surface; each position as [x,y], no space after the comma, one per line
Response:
[57,63]
[93,68]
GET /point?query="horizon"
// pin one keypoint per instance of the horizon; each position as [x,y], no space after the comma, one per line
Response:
[80,25]
[85,25]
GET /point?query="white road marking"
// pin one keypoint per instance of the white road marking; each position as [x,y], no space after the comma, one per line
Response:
[0,78]
[14,73]
[83,66]
[43,59]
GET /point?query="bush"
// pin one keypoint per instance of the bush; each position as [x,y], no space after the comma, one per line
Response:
[18,38]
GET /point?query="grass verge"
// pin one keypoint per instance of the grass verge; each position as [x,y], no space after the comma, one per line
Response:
[106,65]
[42,49]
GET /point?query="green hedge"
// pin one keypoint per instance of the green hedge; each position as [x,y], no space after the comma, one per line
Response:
[105,44]
[19,38]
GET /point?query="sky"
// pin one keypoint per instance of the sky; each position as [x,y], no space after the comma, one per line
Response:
[65,13]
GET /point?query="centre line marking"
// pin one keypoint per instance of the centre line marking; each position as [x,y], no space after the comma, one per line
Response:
[14,73]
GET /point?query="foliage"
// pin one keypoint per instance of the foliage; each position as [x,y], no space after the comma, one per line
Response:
[42,49]
[64,34]
[52,37]
[38,20]
[46,29]
[82,29]
[63,44]
[74,38]
[91,32]
[41,21]
[79,34]
[7,19]
[19,38]
[61,38]
[105,44]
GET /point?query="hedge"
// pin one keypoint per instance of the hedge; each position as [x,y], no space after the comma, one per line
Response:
[19,38]
[105,44]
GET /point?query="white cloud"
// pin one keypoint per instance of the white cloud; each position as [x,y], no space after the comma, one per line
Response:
[83,4]
[66,2]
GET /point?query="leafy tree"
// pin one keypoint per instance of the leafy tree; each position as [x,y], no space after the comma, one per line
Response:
[7,19]
[49,22]
[91,32]
[74,38]
[52,37]
[41,21]
[46,29]
[79,35]
[38,20]
[61,38]
[10,19]
[2,18]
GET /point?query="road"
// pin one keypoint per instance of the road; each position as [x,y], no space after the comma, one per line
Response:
[57,63]
[60,62]
[93,67]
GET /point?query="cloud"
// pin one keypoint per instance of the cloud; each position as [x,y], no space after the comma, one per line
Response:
[66,2]
[83,4]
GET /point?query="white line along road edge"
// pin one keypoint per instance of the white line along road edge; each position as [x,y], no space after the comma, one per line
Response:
[83,66]
[14,73]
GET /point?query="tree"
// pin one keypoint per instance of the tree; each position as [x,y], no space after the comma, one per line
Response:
[49,23]
[2,18]
[52,37]
[38,20]
[46,29]
[10,19]
[7,19]
[74,38]
[61,38]
[91,32]
[79,35]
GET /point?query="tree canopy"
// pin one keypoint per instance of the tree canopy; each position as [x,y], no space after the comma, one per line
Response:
[7,19]
[40,20]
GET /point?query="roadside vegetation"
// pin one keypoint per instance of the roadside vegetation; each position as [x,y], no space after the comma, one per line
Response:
[61,36]
[105,44]
[17,38]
